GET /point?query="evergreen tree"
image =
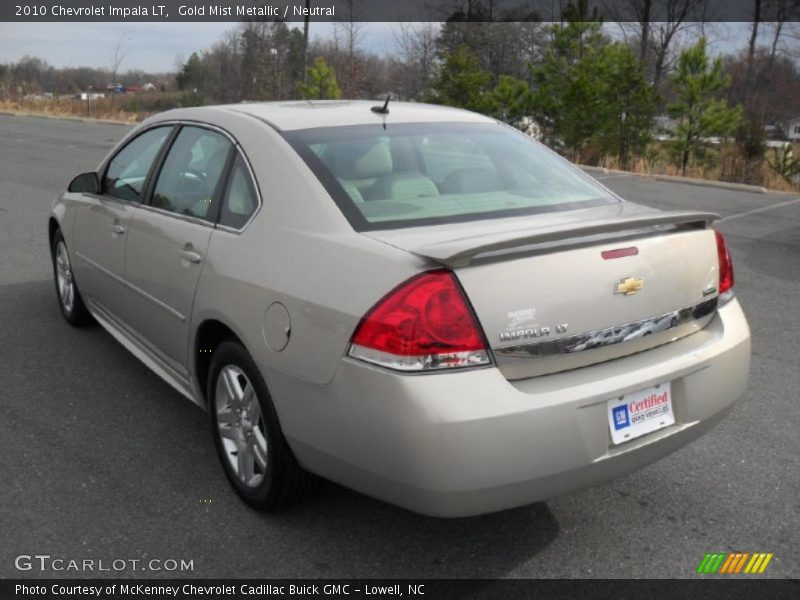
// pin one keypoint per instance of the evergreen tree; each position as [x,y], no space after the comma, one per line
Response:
[320,82]
[462,82]
[592,92]
[510,100]
[567,97]
[696,82]
[627,108]
[191,74]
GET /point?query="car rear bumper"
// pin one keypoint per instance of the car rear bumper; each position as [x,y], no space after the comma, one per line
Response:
[471,442]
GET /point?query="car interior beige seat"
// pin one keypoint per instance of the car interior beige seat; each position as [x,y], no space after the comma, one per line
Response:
[351,190]
[359,162]
[472,181]
[402,186]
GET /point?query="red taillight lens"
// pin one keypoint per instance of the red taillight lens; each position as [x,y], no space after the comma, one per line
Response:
[725,264]
[424,324]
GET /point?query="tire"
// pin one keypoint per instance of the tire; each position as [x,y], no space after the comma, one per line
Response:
[69,298]
[252,449]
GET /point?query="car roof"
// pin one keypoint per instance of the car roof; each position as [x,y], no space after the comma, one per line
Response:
[306,114]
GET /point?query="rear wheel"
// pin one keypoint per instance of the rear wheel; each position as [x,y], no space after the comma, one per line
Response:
[254,453]
[69,298]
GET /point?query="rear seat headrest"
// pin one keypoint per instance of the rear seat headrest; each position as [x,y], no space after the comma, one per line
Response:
[360,159]
[402,186]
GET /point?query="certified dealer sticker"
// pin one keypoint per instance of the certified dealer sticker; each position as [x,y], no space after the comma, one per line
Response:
[640,413]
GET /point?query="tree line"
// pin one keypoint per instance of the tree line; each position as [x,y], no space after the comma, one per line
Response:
[598,91]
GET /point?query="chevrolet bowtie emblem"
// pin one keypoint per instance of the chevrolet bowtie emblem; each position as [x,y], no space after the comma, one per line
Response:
[629,286]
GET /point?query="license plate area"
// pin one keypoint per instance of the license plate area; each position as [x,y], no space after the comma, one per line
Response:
[639,413]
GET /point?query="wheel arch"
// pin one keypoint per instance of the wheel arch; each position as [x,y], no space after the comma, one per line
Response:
[210,333]
[52,226]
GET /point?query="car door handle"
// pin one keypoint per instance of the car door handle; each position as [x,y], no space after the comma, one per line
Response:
[191,256]
[117,228]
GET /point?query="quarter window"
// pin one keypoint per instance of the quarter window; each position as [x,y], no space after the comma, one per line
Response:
[240,200]
[192,171]
[127,172]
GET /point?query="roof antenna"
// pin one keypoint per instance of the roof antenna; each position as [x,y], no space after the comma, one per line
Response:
[382,110]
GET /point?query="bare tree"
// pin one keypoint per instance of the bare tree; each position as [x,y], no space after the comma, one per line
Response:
[119,54]
[770,15]
[351,31]
[751,47]
[178,61]
[644,19]
[416,51]
[657,24]
[306,21]
[779,12]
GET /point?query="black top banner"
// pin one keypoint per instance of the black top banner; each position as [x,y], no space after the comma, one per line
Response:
[396,10]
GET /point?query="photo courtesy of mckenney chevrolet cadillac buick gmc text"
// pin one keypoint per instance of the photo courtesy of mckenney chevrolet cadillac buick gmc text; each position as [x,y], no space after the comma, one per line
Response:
[417,302]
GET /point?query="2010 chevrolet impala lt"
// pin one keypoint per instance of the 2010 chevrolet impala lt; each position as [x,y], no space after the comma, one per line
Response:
[417,302]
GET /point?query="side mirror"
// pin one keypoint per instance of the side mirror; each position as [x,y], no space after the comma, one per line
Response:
[85,183]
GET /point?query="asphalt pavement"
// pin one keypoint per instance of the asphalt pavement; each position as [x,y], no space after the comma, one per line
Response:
[99,459]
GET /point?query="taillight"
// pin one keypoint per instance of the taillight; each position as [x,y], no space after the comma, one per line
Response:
[725,269]
[424,324]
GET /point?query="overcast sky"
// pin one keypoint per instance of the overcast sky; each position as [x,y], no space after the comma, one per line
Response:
[154,46]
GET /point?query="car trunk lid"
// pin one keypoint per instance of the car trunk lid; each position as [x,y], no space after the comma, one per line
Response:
[556,292]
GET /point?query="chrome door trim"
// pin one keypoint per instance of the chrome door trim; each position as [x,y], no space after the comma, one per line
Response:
[698,314]
[180,216]
[122,281]
[228,229]
[110,198]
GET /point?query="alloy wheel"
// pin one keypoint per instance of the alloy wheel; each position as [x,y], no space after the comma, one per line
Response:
[66,285]
[241,427]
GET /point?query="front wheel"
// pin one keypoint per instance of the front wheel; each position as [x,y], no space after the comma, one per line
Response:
[69,298]
[254,453]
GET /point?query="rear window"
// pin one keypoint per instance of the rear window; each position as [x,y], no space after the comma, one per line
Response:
[408,175]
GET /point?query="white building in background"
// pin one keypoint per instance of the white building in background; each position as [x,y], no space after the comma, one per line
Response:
[664,128]
[792,129]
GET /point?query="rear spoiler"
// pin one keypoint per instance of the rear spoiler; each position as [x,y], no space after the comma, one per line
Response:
[459,252]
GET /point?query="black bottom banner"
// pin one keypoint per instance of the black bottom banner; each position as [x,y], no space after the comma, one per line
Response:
[380,589]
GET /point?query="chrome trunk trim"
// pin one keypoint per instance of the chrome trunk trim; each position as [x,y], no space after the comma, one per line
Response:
[610,336]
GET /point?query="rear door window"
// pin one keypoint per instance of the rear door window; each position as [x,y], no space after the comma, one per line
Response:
[192,172]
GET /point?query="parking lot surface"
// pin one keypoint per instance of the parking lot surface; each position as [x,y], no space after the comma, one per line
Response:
[101,459]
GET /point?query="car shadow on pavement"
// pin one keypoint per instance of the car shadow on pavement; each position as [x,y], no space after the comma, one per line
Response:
[133,467]
[393,542]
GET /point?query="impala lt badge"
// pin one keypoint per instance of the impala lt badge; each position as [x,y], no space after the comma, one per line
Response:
[629,286]
[532,332]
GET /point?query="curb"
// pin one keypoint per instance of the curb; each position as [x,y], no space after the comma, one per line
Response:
[66,118]
[739,187]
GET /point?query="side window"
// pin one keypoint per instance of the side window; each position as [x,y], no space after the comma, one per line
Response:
[126,173]
[191,172]
[240,201]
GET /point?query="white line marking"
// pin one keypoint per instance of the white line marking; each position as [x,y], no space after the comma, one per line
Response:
[759,210]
